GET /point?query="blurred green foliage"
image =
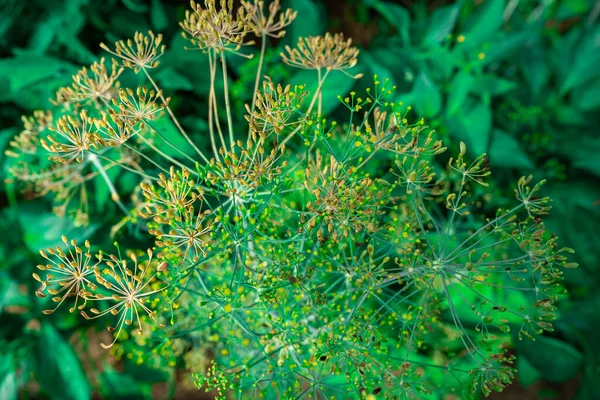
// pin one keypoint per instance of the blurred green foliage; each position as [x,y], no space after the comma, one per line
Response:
[518,80]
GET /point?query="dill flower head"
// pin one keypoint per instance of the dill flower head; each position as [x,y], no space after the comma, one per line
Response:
[244,169]
[220,29]
[111,130]
[67,274]
[187,237]
[130,288]
[271,25]
[27,141]
[72,139]
[173,197]
[331,52]
[141,105]
[141,52]
[96,84]
[275,108]
[340,202]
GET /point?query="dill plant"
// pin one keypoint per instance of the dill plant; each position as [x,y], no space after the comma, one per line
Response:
[294,256]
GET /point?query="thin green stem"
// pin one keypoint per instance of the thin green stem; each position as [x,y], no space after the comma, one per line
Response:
[114,195]
[164,155]
[174,119]
[226,93]
[258,76]
[212,104]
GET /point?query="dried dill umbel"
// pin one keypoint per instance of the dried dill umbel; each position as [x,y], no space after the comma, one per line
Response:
[298,255]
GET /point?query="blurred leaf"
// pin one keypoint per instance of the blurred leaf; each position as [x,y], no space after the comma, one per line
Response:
[493,85]
[556,360]
[170,79]
[308,10]
[571,8]
[375,67]
[43,34]
[589,388]
[484,22]
[506,152]
[459,89]
[10,295]
[505,46]
[534,66]
[427,99]
[146,373]
[116,385]
[5,136]
[42,229]
[396,15]
[577,203]
[8,378]
[586,97]
[584,65]
[568,115]
[158,16]
[186,63]
[135,6]
[169,140]
[527,374]
[59,372]
[472,127]
[27,68]
[441,23]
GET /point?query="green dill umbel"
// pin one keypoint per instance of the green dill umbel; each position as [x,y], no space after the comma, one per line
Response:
[298,256]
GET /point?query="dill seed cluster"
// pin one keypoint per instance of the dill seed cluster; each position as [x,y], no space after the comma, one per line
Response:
[292,256]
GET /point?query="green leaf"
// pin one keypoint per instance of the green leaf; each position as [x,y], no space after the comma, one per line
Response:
[569,115]
[571,8]
[556,360]
[427,98]
[187,63]
[43,229]
[158,16]
[116,385]
[589,388]
[472,127]
[26,69]
[504,49]
[8,378]
[308,10]
[506,152]
[375,67]
[459,89]
[172,141]
[586,97]
[484,22]
[584,64]
[10,295]
[534,66]
[5,136]
[527,374]
[170,79]
[59,372]
[441,23]
[396,15]
[493,85]
[44,33]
